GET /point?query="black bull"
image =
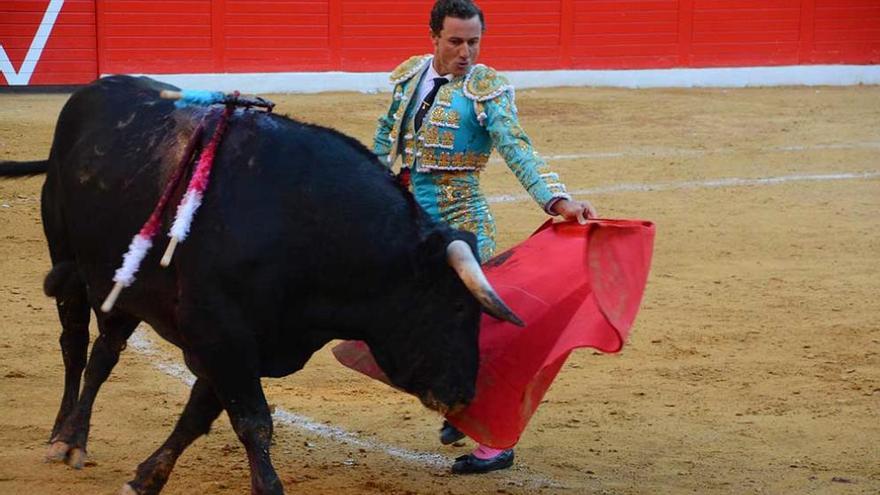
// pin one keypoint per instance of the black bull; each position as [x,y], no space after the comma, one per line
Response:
[302,237]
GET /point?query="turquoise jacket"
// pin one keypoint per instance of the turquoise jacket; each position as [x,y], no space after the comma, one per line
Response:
[470,116]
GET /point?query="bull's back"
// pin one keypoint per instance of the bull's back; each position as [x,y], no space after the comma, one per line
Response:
[105,112]
[286,202]
[285,188]
[114,142]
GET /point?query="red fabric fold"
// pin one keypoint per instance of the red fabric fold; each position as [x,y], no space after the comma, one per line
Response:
[574,286]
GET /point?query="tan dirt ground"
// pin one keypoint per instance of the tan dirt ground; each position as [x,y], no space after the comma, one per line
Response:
[754,365]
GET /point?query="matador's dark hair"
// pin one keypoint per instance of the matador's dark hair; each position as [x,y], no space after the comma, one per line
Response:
[459,9]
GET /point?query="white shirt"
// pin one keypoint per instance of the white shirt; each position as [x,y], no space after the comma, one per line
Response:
[427,83]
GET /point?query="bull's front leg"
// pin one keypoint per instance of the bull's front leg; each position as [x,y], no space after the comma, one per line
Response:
[200,412]
[224,352]
[251,419]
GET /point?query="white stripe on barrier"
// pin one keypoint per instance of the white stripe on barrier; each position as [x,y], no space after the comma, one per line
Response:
[372,82]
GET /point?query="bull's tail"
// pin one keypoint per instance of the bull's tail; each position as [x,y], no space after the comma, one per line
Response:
[23,169]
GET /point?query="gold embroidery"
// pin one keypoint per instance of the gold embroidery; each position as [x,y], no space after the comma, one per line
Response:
[443,160]
[445,118]
[447,139]
[462,206]
[517,132]
[444,96]
[453,118]
[431,136]
[409,68]
[401,125]
[483,83]
[448,191]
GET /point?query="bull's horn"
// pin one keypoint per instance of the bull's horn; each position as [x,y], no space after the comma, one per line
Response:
[462,259]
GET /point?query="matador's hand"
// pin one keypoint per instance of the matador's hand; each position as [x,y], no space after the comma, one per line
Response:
[574,210]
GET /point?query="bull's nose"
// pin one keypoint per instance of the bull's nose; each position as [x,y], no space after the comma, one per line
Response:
[457,408]
[430,401]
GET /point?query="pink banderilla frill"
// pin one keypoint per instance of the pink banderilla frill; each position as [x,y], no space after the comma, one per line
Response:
[143,241]
[191,201]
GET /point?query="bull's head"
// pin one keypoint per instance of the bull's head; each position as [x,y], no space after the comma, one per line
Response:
[436,355]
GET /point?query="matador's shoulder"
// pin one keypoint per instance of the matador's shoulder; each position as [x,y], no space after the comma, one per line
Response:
[408,69]
[484,83]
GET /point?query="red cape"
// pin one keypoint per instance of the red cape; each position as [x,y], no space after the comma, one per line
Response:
[574,286]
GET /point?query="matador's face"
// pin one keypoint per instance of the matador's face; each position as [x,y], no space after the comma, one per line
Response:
[457,45]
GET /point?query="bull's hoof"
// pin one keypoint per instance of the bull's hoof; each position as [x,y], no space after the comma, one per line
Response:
[57,452]
[74,457]
[127,490]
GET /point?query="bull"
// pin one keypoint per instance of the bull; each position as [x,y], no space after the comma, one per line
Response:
[302,237]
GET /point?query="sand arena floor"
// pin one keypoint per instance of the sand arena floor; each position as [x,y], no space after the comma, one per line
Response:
[754,365]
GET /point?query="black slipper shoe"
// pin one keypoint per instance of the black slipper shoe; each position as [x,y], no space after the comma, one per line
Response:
[449,434]
[469,464]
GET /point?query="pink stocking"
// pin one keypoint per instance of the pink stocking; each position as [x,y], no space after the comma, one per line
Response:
[483,452]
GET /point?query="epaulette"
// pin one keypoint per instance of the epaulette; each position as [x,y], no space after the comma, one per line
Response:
[483,83]
[408,69]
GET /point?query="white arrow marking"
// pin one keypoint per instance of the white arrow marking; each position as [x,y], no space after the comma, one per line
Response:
[23,76]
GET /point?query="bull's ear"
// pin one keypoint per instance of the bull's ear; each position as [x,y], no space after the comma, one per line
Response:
[432,247]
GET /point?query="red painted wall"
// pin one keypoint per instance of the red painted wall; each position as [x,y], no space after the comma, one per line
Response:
[215,36]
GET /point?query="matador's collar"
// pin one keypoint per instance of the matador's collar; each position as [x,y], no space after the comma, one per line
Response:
[481,83]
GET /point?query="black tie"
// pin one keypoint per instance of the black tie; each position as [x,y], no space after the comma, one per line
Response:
[428,101]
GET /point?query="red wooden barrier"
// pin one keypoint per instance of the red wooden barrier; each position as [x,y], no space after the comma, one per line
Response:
[91,37]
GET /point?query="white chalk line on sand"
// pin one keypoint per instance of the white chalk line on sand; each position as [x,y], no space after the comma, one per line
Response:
[668,152]
[698,184]
[140,342]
